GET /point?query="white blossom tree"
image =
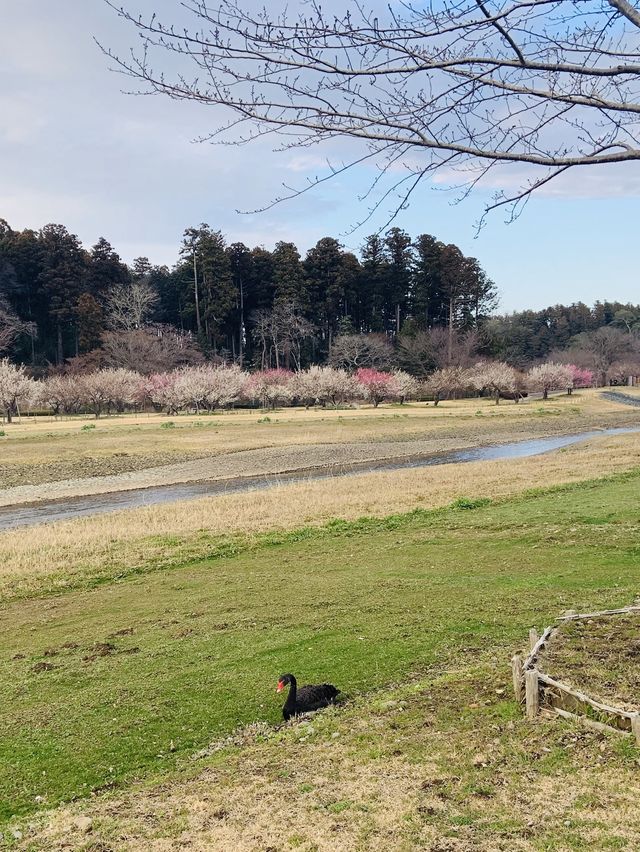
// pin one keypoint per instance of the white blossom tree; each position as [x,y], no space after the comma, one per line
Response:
[16,388]
[60,394]
[407,386]
[324,385]
[444,382]
[497,377]
[549,376]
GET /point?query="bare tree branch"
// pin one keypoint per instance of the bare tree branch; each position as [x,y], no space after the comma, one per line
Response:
[459,87]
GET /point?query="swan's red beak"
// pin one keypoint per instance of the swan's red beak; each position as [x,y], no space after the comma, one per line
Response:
[280,686]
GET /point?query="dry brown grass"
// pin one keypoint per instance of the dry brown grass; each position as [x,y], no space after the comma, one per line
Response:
[159,535]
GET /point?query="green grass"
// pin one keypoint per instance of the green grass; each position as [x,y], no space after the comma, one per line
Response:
[364,604]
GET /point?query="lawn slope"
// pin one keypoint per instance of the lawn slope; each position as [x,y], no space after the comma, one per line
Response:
[102,686]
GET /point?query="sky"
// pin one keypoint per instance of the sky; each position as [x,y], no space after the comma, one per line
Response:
[75,148]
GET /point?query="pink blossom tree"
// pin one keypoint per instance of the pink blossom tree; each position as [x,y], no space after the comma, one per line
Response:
[377,386]
[580,377]
[160,388]
[270,387]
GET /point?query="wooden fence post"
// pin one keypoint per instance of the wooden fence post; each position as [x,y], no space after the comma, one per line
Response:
[518,678]
[635,727]
[532,693]
[533,638]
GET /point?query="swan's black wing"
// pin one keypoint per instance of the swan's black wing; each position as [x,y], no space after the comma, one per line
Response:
[315,696]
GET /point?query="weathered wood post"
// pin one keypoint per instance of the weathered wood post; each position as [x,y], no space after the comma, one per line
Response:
[635,727]
[518,678]
[532,693]
[533,638]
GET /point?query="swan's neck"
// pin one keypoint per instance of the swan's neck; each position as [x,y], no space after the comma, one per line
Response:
[291,698]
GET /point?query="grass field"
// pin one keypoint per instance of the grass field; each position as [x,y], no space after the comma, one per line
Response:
[413,616]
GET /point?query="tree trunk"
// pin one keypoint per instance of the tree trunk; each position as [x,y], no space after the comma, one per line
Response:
[545,393]
[9,414]
[241,330]
[497,397]
[59,354]
[195,292]
[450,341]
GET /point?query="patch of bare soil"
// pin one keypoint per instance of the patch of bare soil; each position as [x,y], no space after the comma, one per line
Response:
[14,474]
[599,656]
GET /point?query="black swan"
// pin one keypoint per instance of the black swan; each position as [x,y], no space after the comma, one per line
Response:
[307,698]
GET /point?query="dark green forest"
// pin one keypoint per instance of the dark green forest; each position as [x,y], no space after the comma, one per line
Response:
[417,298]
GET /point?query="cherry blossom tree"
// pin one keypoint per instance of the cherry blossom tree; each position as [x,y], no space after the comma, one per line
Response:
[580,377]
[444,382]
[497,377]
[377,385]
[16,388]
[549,376]
[270,387]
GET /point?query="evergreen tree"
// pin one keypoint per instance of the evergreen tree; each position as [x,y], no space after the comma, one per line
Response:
[323,267]
[288,276]
[104,269]
[62,279]
[428,301]
[375,267]
[399,252]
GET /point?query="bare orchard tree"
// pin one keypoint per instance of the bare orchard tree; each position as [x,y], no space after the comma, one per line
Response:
[11,326]
[601,348]
[353,351]
[149,350]
[437,348]
[130,306]
[462,85]
[280,334]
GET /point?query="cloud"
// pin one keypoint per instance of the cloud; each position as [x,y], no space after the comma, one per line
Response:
[614,180]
